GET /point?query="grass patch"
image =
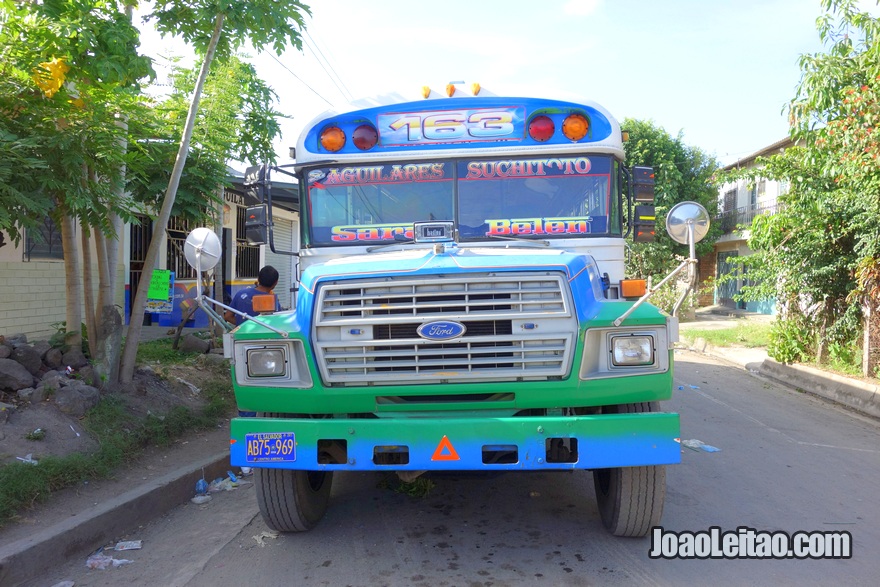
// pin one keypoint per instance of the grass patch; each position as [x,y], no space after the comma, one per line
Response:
[161,351]
[749,334]
[840,367]
[419,487]
[120,434]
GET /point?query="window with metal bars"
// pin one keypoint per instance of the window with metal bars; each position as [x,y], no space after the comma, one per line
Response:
[247,256]
[43,242]
[178,229]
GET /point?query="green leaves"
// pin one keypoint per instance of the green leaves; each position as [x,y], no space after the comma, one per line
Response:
[818,254]
[236,120]
[263,23]
[682,173]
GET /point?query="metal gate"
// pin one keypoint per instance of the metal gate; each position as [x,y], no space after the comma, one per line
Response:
[140,236]
[728,266]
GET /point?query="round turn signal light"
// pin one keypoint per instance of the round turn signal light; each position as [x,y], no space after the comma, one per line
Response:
[332,138]
[575,127]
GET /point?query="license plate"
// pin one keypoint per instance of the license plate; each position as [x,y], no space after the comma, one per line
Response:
[271,447]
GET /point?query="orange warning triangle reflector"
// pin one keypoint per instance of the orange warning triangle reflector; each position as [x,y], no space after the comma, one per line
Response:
[445,451]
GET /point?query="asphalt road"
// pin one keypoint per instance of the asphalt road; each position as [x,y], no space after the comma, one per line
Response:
[787,462]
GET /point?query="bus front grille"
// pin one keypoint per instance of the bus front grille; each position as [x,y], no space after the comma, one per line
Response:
[515,326]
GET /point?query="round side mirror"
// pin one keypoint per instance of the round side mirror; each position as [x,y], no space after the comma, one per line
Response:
[202,249]
[684,214]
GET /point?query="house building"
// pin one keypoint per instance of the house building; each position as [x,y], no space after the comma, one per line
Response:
[33,290]
[739,203]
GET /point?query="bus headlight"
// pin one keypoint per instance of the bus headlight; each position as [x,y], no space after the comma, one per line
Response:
[632,350]
[271,362]
[266,362]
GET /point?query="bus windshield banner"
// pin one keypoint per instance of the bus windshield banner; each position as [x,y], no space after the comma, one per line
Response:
[523,197]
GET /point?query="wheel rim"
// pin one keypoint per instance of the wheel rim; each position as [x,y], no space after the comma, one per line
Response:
[316,479]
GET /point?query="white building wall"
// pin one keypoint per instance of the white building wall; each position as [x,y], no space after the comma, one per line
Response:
[33,294]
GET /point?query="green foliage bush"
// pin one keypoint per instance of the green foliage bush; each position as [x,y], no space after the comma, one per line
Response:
[790,342]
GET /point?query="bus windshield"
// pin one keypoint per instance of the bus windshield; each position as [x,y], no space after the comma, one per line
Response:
[564,197]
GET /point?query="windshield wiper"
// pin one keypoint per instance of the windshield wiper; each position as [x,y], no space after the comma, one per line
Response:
[398,240]
[543,243]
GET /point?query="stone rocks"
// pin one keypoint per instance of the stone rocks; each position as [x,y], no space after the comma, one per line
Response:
[194,344]
[15,340]
[53,358]
[51,384]
[215,359]
[42,347]
[76,400]
[14,376]
[74,358]
[29,357]
[5,410]
[5,351]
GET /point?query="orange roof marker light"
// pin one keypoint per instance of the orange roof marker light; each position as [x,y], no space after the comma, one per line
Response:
[475,89]
[575,127]
[426,91]
[332,138]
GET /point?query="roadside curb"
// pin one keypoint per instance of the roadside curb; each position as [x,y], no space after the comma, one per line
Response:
[861,396]
[26,558]
[858,395]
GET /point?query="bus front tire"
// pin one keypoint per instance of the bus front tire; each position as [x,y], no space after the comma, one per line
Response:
[292,501]
[630,499]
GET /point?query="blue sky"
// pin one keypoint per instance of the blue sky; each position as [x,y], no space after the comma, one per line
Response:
[719,71]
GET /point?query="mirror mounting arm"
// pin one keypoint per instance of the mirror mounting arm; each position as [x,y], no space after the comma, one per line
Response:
[686,263]
[213,314]
[693,214]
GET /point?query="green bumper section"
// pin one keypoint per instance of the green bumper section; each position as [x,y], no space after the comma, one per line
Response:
[465,443]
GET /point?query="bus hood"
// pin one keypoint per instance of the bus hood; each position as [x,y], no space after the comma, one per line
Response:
[580,270]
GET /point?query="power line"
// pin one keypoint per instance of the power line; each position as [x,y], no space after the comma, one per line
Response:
[299,78]
[317,51]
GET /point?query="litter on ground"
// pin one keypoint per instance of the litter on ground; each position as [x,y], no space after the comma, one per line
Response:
[699,445]
[261,537]
[101,561]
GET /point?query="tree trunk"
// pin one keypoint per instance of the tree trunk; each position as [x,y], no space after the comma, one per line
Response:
[108,323]
[822,339]
[129,354]
[72,275]
[108,331]
[871,346]
[88,289]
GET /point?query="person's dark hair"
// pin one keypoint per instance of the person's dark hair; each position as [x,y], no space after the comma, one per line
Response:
[268,276]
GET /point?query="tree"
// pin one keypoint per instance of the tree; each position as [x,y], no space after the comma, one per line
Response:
[81,142]
[68,69]
[682,173]
[262,22]
[821,251]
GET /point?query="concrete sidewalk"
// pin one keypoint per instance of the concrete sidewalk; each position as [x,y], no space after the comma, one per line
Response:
[860,395]
[25,559]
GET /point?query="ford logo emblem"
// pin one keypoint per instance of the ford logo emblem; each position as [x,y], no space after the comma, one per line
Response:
[441,330]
